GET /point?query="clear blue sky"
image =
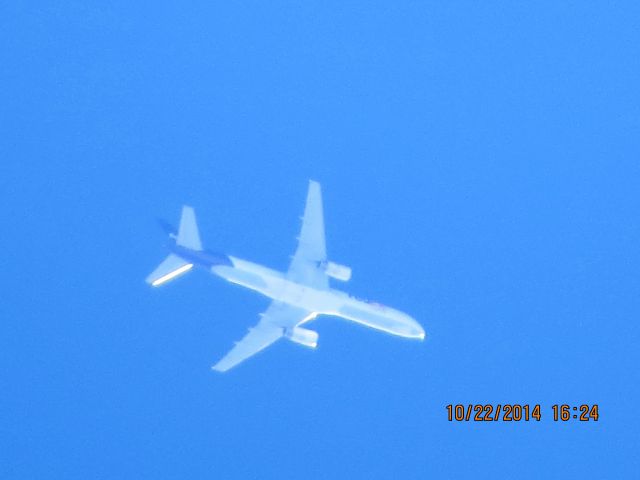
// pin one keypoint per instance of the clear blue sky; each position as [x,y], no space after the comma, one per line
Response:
[480,168]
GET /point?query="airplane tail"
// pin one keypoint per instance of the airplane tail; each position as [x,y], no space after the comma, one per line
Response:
[187,237]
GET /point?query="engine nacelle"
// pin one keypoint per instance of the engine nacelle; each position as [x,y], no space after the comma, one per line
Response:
[337,271]
[305,337]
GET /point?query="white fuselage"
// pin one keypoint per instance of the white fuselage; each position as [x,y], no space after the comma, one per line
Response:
[275,285]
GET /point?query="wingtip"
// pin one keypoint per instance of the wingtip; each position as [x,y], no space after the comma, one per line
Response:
[220,367]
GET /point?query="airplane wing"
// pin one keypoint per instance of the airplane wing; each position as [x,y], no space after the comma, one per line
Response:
[270,328]
[305,266]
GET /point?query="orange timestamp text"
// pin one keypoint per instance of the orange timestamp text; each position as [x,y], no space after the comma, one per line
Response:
[519,412]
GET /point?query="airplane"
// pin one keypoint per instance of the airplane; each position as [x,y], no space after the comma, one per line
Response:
[298,296]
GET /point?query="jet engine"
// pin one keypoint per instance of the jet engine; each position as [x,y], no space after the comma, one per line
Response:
[337,271]
[305,337]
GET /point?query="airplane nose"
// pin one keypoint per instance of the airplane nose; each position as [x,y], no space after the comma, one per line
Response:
[416,330]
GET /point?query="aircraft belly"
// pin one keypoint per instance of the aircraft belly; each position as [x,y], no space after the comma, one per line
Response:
[382,320]
[252,280]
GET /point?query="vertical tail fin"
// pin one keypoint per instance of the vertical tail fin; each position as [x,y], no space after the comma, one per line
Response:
[188,235]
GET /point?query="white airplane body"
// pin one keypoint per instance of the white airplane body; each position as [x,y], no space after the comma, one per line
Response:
[298,296]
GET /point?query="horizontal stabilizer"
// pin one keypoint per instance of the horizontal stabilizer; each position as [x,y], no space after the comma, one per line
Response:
[170,268]
[188,235]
